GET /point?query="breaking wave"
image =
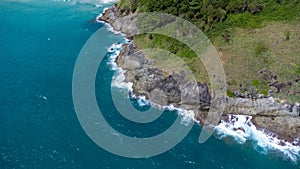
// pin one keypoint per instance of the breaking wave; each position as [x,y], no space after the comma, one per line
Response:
[239,127]
[242,129]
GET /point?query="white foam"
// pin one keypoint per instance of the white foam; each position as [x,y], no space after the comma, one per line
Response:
[108,26]
[188,117]
[142,101]
[111,29]
[114,50]
[43,97]
[118,79]
[96,3]
[98,16]
[242,129]
[108,1]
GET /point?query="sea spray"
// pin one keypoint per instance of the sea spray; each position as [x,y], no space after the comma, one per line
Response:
[242,129]
[118,81]
[239,127]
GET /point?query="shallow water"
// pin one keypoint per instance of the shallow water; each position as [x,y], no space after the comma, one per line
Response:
[40,42]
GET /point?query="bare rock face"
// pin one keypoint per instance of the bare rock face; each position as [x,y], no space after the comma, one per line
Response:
[261,107]
[110,15]
[269,114]
[124,24]
[158,96]
[160,87]
[285,127]
[166,88]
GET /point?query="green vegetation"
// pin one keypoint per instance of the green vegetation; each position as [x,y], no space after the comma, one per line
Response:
[260,48]
[250,35]
[264,92]
[158,41]
[298,70]
[255,83]
[233,82]
[230,93]
[214,17]
[152,41]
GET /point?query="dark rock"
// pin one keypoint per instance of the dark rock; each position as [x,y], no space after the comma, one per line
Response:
[165,88]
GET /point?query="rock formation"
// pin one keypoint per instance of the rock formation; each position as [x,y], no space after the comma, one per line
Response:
[165,88]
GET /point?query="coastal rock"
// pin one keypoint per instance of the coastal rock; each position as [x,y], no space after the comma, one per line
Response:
[158,96]
[124,24]
[160,86]
[110,15]
[166,88]
[285,127]
[262,107]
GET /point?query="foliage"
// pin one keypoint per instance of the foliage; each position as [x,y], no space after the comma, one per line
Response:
[230,93]
[255,82]
[264,92]
[219,20]
[260,48]
[298,70]
[215,16]
[233,82]
[159,41]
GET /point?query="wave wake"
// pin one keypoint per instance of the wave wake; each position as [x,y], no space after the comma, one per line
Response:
[187,116]
[242,129]
[239,127]
[97,3]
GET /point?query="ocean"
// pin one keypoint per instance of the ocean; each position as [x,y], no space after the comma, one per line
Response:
[40,43]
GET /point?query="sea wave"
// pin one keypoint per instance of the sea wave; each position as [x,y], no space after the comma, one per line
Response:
[142,101]
[242,129]
[239,127]
[97,3]
[108,26]
[118,81]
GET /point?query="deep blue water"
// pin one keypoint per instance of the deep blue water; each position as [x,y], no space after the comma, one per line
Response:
[39,45]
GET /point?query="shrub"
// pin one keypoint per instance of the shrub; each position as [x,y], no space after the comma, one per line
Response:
[255,83]
[298,70]
[230,93]
[260,48]
[233,82]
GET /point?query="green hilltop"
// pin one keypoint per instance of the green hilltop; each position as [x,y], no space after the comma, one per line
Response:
[258,41]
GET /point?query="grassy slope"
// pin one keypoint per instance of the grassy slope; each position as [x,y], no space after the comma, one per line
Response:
[251,50]
[268,39]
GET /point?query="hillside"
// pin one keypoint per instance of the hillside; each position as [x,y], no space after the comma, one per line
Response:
[258,41]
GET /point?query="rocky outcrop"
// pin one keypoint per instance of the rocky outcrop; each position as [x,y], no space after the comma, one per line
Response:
[125,24]
[159,86]
[269,114]
[165,88]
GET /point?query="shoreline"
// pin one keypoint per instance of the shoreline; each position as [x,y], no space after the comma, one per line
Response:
[261,110]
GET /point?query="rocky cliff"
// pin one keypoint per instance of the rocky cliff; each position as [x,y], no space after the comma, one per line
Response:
[165,87]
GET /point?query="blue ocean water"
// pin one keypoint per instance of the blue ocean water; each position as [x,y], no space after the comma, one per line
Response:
[39,45]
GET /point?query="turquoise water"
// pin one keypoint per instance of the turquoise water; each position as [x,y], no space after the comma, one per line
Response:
[40,42]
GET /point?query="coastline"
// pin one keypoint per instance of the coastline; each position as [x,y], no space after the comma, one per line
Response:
[265,115]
